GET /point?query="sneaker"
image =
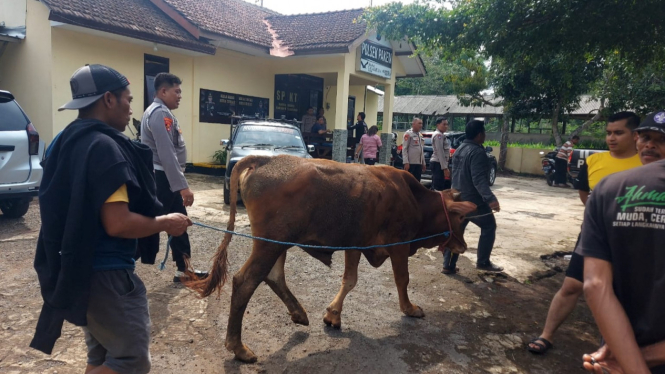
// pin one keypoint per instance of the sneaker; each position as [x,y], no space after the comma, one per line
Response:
[490,267]
[181,274]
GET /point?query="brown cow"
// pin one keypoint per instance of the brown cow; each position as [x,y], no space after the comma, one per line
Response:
[321,202]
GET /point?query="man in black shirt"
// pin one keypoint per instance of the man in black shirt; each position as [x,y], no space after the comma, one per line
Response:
[624,259]
[97,197]
[471,179]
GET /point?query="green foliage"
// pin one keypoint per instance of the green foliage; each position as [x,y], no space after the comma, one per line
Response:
[543,53]
[584,144]
[219,157]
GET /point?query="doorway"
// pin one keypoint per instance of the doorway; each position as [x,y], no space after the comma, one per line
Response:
[152,65]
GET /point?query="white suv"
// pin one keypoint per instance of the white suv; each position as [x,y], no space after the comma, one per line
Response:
[20,155]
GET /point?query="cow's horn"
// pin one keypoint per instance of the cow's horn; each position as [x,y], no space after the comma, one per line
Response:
[456,196]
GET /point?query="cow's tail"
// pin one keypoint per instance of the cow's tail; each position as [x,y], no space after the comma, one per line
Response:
[220,262]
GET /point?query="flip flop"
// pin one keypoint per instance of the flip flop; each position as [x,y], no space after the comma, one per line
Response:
[541,348]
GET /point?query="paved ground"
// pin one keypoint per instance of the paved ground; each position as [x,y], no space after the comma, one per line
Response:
[474,323]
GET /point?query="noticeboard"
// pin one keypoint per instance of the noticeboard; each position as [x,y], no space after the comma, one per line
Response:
[225,107]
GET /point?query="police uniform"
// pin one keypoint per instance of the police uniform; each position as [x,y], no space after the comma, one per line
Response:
[413,152]
[439,161]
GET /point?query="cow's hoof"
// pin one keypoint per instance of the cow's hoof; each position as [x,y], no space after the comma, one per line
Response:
[415,311]
[332,318]
[300,318]
[245,354]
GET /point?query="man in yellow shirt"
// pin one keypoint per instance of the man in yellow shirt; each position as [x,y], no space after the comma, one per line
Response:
[621,140]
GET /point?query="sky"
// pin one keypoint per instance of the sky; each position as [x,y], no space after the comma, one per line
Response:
[318,6]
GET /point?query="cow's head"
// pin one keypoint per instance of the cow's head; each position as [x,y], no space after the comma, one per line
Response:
[457,211]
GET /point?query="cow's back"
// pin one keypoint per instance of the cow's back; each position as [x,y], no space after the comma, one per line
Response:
[329,203]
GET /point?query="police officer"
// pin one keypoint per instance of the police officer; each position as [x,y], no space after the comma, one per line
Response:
[440,156]
[412,149]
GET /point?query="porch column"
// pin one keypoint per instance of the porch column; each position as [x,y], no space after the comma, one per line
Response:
[340,133]
[387,128]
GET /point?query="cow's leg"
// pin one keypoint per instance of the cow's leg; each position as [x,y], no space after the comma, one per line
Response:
[333,314]
[253,272]
[277,282]
[399,257]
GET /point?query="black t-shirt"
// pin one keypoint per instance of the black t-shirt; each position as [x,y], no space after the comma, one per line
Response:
[624,224]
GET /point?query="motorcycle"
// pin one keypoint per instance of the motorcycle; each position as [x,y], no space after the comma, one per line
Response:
[548,166]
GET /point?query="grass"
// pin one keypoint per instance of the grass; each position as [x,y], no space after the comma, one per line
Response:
[587,144]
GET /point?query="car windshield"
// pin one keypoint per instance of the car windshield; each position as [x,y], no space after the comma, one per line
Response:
[428,141]
[249,135]
[11,116]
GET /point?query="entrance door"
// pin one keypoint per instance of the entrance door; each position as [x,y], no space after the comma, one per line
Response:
[152,65]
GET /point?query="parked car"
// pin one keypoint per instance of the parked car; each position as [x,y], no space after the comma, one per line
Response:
[456,138]
[262,138]
[576,160]
[20,155]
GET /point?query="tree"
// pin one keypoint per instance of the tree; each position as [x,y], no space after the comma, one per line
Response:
[434,83]
[543,53]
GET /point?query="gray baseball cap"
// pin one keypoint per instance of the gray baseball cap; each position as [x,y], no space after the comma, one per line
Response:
[90,83]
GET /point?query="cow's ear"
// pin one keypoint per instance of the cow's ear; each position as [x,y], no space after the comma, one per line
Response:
[462,208]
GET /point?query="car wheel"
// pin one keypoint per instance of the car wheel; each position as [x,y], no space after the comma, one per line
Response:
[492,174]
[227,196]
[15,208]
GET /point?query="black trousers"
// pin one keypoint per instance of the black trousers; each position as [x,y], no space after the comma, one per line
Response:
[416,171]
[560,170]
[439,182]
[173,203]
[487,226]
[370,161]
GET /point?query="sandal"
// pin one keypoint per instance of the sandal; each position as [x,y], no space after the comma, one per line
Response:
[540,347]
[450,271]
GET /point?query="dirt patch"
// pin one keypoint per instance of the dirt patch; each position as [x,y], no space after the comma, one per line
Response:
[475,322]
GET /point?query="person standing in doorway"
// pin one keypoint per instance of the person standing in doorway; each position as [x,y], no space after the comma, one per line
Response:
[321,115]
[620,138]
[471,179]
[370,144]
[97,196]
[561,162]
[161,132]
[622,244]
[308,120]
[413,153]
[440,156]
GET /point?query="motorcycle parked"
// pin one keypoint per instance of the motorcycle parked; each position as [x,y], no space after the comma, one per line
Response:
[548,166]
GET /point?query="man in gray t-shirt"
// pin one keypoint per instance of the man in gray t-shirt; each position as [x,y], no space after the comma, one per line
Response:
[624,258]
[161,132]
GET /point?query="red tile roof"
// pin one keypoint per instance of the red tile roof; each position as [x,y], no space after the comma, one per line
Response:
[138,19]
[310,33]
[236,19]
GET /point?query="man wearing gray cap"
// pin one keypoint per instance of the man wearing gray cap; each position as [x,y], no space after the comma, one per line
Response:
[96,198]
[624,258]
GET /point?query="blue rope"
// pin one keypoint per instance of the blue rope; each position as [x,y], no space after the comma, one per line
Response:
[168,242]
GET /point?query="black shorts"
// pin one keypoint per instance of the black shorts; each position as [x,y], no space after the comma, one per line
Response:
[576,267]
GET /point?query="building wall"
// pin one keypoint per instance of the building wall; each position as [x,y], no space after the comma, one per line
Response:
[227,71]
[25,69]
[233,72]
[12,12]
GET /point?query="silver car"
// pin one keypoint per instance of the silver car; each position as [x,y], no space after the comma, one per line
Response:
[20,155]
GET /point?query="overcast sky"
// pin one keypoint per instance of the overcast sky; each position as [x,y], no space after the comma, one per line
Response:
[318,6]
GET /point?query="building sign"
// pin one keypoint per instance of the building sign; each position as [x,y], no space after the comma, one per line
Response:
[294,93]
[224,107]
[376,59]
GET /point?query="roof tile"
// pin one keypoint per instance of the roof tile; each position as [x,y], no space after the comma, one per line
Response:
[237,19]
[138,19]
[318,31]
